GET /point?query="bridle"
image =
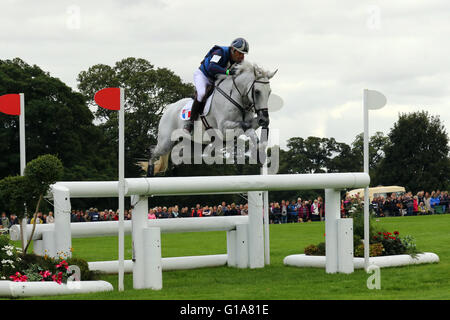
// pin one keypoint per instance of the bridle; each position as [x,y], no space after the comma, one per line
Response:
[248,104]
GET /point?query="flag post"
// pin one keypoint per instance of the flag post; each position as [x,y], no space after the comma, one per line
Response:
[121,187]
[372,100]
[366,189]
[114,99]
[14,104]
[22,134]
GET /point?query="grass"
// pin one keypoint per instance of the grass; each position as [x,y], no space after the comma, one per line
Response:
[277,281]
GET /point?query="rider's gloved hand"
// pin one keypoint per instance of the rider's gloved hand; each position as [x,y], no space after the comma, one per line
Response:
[231,72]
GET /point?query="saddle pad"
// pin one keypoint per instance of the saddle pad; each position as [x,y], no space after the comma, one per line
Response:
[185,113]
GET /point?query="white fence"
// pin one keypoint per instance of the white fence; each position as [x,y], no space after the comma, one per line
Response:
[245,235]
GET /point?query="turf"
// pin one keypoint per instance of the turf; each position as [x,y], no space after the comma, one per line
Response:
[277,281]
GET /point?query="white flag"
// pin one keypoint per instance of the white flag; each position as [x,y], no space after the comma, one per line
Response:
[374,99]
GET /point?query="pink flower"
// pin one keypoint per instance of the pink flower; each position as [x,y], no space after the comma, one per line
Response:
[63,264]
[18,277]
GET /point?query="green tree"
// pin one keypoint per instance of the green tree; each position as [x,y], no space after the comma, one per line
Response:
[27,191]
[57,121]
[417,156]
[148,90]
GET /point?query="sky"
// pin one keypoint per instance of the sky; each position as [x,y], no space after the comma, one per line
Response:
[326,52]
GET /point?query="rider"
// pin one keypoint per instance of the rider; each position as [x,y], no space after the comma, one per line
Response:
[219,60]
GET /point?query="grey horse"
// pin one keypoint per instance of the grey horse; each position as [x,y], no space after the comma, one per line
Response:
[237,102]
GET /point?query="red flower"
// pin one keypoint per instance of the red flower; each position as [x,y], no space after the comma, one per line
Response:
[18,277]
[63,264]
[396,233]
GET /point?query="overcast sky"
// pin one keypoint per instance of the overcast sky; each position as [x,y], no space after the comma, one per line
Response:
[326,52]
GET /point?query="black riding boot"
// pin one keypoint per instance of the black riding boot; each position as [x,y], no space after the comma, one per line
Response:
[195,111]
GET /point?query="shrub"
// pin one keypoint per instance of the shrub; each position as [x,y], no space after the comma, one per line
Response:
[392,243]
[375,250]
[321,249]
[311,250]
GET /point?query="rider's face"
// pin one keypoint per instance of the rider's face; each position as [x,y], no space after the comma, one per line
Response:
[237,56]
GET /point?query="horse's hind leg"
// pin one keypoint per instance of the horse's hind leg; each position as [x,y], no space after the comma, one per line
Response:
[159,160]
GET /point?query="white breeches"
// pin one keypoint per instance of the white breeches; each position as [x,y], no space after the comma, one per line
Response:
[200,82]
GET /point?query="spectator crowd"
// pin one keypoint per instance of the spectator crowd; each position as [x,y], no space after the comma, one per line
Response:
[286,211]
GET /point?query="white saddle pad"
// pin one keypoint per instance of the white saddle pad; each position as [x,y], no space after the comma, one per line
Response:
[185,113]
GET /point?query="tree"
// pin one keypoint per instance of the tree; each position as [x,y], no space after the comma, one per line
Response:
[19,192]
[417,156]
[377,143]
[147,92]
[57,121]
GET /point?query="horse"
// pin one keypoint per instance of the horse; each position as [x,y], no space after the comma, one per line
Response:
[237,102]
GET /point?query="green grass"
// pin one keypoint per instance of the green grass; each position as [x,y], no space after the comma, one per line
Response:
[277,281]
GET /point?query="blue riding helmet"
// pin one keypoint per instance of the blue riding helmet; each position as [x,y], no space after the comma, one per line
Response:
[240,44]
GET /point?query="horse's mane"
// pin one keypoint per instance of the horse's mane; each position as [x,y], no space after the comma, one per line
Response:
[249,67]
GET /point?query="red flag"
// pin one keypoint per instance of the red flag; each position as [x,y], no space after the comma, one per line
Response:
[10,104]
[108,98]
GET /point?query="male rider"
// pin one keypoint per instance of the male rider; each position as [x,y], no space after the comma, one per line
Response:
[219,60]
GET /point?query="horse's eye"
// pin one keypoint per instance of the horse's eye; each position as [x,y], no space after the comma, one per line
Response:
[257,92]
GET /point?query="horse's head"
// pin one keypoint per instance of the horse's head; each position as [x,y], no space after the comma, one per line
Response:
[255,90]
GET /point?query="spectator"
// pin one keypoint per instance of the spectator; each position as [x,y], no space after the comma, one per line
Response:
[422,209]
[233,211]
[4,221]
[197,211]
[347,206]
[315,214]
[415,205]
[50,218]
[206,211]
[271,216]
[224,208]
[420,196]
[292,213]
[214,211]
[427,203]
[13,219]
[283,211]
[321,208]
[38,219]
[151,214]
[159,213]
[244,210]
[434,200]
[276,213]
[444,201]
[164,213]
[219,210]
[304,212]
[175,212]
[409,201]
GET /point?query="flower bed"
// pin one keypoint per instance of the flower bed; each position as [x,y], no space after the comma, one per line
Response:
[32,275]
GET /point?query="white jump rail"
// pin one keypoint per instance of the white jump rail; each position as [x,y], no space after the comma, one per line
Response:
[37,288]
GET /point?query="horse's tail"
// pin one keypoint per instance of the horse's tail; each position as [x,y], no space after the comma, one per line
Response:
[147,166]
[152,168]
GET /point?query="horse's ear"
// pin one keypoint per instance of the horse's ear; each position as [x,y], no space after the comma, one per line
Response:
[271,74]
[257,71]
